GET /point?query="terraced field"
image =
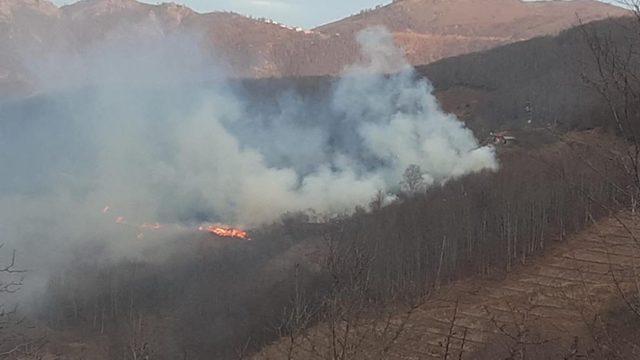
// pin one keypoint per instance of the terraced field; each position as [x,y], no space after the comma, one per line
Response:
[548,306]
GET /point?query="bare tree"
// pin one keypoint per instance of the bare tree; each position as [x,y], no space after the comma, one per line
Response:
[17,338]
[413,180]
[615,75]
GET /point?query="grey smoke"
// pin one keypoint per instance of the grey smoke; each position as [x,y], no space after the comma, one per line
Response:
[390,123]
[150,128]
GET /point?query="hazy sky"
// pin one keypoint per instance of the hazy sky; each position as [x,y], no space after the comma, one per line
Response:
[305,13]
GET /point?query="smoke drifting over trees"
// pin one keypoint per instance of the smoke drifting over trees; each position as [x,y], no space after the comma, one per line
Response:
[126,126]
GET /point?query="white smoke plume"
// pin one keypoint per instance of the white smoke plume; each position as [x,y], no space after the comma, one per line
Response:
[132,133]
[393,119]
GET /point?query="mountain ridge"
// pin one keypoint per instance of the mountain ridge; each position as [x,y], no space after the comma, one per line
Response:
[428,30]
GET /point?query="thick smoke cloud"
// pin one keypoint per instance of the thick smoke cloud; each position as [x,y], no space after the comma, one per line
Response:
[126,125]
[385,124]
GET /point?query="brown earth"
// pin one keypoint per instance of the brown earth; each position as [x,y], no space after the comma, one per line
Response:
[545,308]
[430,30]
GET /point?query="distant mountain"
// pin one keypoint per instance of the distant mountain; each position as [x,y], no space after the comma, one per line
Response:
[429,30]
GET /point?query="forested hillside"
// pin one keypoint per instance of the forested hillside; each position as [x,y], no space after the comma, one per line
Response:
[541,80]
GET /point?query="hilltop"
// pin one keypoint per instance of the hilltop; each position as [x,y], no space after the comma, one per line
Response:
[33,31]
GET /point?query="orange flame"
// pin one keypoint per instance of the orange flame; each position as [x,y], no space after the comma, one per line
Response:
[222,231]
[225,232]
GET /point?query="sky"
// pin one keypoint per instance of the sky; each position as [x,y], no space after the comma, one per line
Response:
[303,13]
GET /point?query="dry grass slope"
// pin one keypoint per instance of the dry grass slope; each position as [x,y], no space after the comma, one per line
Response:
[543,306]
